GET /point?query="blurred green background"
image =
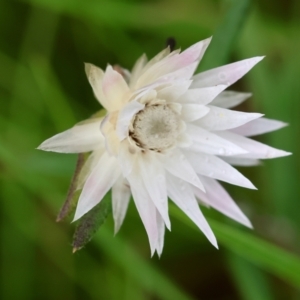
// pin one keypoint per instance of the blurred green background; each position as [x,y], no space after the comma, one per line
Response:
[43,90]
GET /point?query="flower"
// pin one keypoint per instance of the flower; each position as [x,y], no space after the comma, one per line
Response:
[167,133]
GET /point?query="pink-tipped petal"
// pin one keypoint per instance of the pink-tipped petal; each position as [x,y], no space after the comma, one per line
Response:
[217,197]
[259,126]
[255,149]
[114,88]
[182,195]
[214,167]
[227,75]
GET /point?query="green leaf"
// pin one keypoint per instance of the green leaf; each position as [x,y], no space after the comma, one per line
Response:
[73,194]
[143,271]
[89,224]
[251,282]
[263,254]
[226,34]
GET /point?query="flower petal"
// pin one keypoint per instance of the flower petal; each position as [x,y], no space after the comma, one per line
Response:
[153,175]
[229,99]
[259,126]
[137,70]
[98,184]
[160,233]
[125,117]
[255,149]
[84,137]
[88,167]
[120,199]
[145,207]
[181,194]
[208,142]
[217,197]
[202,96]
[115,88]
[214,167]
[224,119]
[177,164]
[192,112]
[174,91]
[240,161]
[95,76]
[227,74]
[112,141]
[176,65]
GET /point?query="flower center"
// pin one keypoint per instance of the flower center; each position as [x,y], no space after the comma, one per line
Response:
[156,127]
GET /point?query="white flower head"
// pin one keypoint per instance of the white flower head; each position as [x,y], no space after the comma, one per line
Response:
[167,133]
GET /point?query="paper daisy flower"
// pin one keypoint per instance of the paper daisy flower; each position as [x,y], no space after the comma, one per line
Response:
[167,134]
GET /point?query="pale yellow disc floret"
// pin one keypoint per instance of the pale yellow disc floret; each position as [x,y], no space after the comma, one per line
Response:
[156,127]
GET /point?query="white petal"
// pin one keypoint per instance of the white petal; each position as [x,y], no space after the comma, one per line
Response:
[120,199]
[112,141]
[214,167]
[181,194]
[192,112]
[202,95]
[259,126]
[84,137]
[223,119]
[125,117]
[227,74]
[240,161]
[177,164]
[173,92]
[217,197]
[115,88]
[175,65]
[126,158]
[207,142]
[95,76]
[184,141]
[160,233]
[153,175]
[98,184]
[196,51]
[145,207]
[228,99]
[255,149]
[88,167]
[137,70]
